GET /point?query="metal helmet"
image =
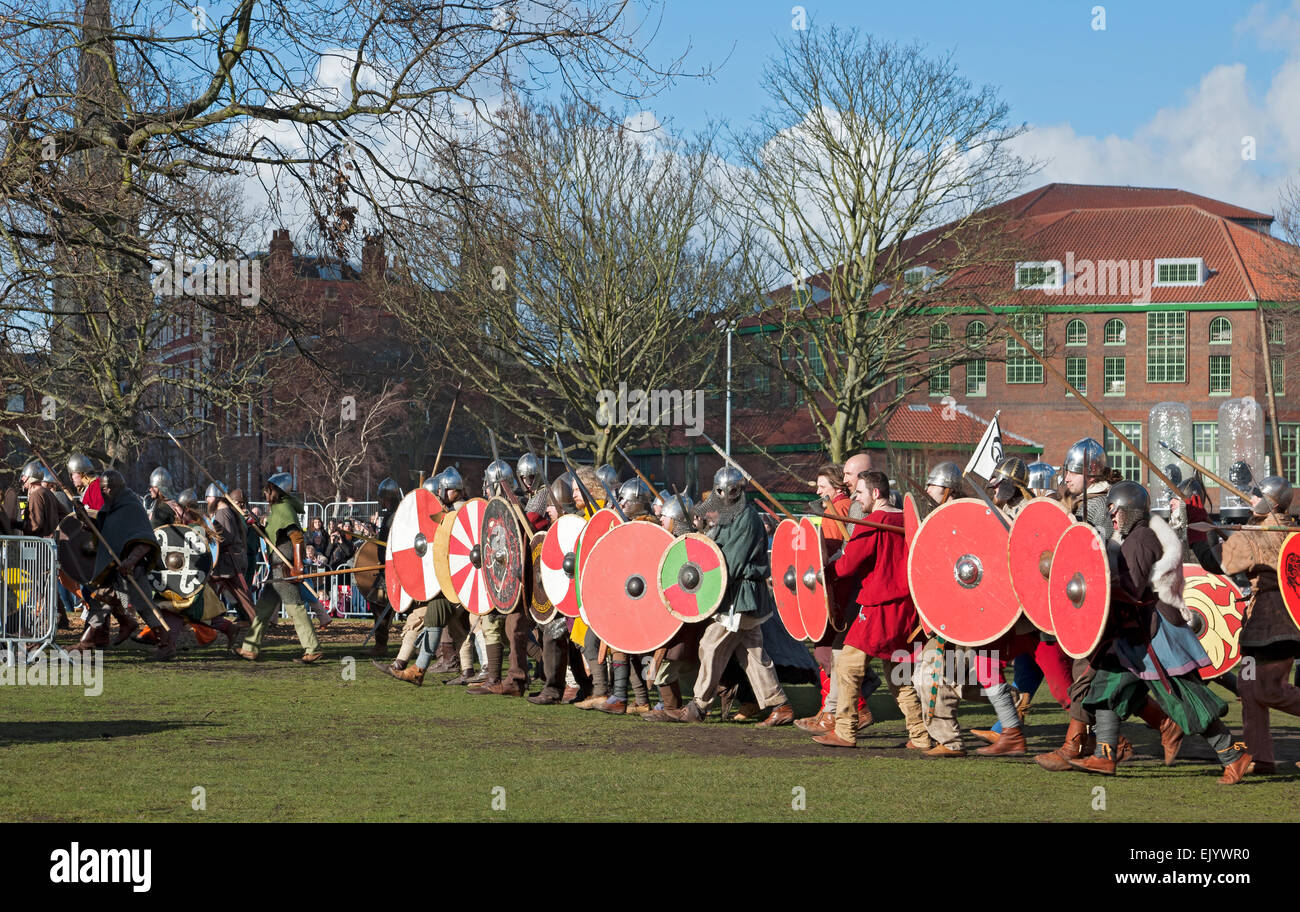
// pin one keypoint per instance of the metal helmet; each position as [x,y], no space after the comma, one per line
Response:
[609,475]
[33,471]
[1130,502]
[390,494]
[431,483]
[1087,458]
[528,470]
[111,484]
[216,489]
[1013,469]
[677,511]
[562,491]
[80,464]
[728,483]
[1042,477]
[1274,493]
[1240,474]
[187,497]
[281,480]
[633,492]
[449,480]
[945,475]
[498,472]
[48,477]
[161,479]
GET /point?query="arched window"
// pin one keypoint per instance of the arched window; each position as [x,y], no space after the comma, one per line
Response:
[1115,332]
[939,333]
[976,331]
[1076,333]
[1220,331]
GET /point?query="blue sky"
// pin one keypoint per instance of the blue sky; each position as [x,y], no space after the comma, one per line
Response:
[1163,96]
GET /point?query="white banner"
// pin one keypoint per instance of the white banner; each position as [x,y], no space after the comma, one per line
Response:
[989,452]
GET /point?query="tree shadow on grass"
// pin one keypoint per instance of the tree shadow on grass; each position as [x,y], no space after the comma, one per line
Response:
[12,733]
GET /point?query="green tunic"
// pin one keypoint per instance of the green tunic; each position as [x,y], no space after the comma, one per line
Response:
[744,545]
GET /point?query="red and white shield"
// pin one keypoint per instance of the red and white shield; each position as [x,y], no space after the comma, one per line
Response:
[1288,575]
[620,584]
[785,578]
[1078,591]
[814,597]
[601,522]
[911,518]
[559,563]
[957,571]
[465,557]
[410,544]
[1218,600]
[1034,534]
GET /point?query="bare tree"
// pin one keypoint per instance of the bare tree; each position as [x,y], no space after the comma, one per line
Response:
[595,272]
[874,174]
[344,438]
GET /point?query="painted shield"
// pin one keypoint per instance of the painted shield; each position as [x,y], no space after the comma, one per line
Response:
[441,565]
[1218,600]
[539,606]
[1078,592]
[560,563]
[1288,575]
[464,558]
[785,578]
[814,596]
[184,562]
[370,582]
[601,522]
[76,548]
[911,518]
[618,580]
[503,544]
[410,544]
[1034,533]
[957,571]
[691,577]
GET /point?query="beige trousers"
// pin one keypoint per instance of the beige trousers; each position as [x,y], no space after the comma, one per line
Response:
[716,649]
[851,670]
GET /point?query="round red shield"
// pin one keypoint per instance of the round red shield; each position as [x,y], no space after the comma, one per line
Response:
[957,571]
[785,578]
[560,563]
[539,606]
[441,564]
[1288,575]
[410,544]
[814,597]
[601,522]
[1034,534]
[1078,592]
[692,578]
[911,518]
[618,577]
[502,542]
[465,557]
[1218,600]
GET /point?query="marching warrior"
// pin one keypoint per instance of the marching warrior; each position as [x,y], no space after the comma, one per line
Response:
[1269,635]
[230,571]
[736,629]
[286,536]
[159,503]
[389,495]
[1150,658]
[1009,486]
[684,648]
[43,509]
[559,651]
[885,620]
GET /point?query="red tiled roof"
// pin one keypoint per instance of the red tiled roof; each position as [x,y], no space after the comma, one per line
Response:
[1063,197]
[944,425]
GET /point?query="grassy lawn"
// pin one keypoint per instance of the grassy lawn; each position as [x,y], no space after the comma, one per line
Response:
[278,741]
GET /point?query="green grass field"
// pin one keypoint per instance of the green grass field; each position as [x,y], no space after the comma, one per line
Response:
[277,741]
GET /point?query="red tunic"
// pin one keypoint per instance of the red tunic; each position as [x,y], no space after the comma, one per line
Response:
[93,498]
[887,616]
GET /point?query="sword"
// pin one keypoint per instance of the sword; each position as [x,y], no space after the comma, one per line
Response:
[749,478]
[89,523]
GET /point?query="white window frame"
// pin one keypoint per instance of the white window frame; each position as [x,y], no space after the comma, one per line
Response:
[1178,261]
[1041,264]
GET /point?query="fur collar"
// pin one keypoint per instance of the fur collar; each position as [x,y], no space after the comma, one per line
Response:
[1167,574]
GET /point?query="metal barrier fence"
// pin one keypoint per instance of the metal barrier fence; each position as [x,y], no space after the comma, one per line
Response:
[358,509]
[29,603]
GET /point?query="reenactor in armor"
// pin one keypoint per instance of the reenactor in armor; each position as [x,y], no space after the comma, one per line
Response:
[389,496]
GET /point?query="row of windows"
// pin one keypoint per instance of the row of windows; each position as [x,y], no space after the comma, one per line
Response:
[1049,274]
[1114,332]
[1114,375]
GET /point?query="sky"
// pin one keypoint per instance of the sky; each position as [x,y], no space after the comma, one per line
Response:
[1161,93]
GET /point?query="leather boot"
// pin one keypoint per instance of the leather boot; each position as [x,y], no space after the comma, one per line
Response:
[688,713]
[1105,764]
[1058,761]
[126,624]
[671,695]
[492,668]
[1010,743]
[1171,736]
[1235,771]
[381,642]
[819,724]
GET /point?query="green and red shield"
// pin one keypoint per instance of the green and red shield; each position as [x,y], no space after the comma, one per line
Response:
[1218,600]
[1078,591]
[692,578]
[622,602]
[785,578]
[1034,534]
